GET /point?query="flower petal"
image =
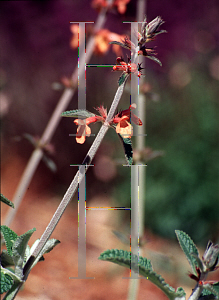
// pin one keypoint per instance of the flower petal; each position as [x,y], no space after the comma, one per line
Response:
[124,128]
[82,132]
[80,139]
[136,120]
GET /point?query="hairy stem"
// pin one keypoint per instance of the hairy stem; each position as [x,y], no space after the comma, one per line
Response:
[73,186]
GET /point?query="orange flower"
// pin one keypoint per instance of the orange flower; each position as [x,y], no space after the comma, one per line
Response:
[121,5]
[83,128]
[103,39]
[121,120]
[74,40]
[124,128]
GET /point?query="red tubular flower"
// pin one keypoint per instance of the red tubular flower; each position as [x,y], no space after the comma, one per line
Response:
[83,128]
[129,114]
[124,127]
[122,120]
[127,68]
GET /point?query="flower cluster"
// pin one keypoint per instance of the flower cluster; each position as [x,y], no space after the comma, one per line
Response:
[148,33]
[120,122]
[127,68]
[207,264]
[210,257]
[150,30]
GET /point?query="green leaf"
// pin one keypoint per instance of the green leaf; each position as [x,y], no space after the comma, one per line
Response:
[6,259]
[216,287]
[127,145]
[6,282]
[122,258]
[50,244]
[123,78]
[211,289]
[188,248]
[120,44]
[78,113]
[30,139]
[155,59]
[11,273]
[19,251]
[49,163]
[9,236]
[6,201]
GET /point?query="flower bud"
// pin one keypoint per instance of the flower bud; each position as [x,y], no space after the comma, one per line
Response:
[210,257]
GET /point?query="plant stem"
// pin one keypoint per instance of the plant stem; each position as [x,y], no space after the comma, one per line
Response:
[51,127]
[73,186]
[13,291]
[68,195]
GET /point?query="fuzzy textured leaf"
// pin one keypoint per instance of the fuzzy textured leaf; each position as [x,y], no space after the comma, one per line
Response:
[19,251]
[6,201]
[9,236]
[6,259]
[11,273]
[6,282]
[122,258]
[127,145]
[188,248]
[212,289]
[78,113]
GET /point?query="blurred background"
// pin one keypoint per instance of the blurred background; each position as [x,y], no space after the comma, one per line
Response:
[181,186]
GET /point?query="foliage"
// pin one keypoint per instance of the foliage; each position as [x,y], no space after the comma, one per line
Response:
[17,254]
[171,196]
[124,258]
[6,201]
[201,268]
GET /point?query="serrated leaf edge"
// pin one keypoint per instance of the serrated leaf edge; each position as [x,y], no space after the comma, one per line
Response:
[6,201]
[77,113]
[211,289]
[11,274]
[19,257]
[9,240]
[186,251]
[122,257]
